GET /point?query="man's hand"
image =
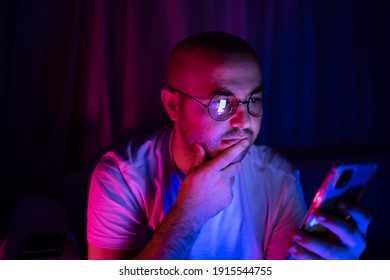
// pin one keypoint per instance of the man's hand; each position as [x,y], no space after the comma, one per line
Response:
[351,233]
[207,187]
[205,191]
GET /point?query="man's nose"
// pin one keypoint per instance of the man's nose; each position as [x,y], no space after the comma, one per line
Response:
[241,117]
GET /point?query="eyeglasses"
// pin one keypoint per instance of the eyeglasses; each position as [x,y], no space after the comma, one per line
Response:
[223,104]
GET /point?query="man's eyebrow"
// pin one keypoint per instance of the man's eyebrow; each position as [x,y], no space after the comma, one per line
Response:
[225,92]
[222,92]
[257,89]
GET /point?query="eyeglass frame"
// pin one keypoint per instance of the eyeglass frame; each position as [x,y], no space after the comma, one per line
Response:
[207,106]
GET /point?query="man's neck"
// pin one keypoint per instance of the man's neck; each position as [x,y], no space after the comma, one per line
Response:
[181,154]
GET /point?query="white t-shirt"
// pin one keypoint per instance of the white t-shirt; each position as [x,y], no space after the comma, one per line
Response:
[133,188]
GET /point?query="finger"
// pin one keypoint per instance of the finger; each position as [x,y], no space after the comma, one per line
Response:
[226,157]
[360,215]
[232,169]
[298,252]
[346,230]
[321,247]
[230,172]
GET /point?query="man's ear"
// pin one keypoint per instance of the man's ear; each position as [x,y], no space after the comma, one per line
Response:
[170,102]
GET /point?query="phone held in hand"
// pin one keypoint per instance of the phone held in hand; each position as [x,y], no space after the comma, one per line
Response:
[347,181]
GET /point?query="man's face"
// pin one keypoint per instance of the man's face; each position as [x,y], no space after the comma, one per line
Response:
[238,74]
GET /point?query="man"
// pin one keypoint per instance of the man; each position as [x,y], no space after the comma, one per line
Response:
[202,189]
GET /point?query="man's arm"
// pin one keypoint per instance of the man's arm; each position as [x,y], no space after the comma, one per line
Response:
[172,240]
[96,253]
[206,190]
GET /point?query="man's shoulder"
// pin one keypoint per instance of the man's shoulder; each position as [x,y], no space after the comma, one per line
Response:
[266,157]
[141,149]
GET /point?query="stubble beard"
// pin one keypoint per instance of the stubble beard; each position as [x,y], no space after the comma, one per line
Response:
[213,147]
[213,150]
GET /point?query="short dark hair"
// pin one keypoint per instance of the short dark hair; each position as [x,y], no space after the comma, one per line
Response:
[217,40]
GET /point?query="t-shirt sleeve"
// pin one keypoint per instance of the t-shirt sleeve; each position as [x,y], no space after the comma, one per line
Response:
[291,211]
[116,218]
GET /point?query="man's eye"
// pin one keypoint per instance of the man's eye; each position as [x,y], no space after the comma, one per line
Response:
[255,100]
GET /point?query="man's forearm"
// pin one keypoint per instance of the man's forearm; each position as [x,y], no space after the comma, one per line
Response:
[173,239]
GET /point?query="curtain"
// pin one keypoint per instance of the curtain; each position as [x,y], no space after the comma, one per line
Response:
[80,77]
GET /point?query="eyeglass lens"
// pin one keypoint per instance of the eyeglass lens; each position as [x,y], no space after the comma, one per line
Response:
[223,106]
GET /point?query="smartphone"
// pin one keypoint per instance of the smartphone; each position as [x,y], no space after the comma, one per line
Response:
[347,180]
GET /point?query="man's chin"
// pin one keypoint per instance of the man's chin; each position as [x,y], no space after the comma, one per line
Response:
[238,158]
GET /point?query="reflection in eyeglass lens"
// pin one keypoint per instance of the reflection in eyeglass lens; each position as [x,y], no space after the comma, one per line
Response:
[221,106]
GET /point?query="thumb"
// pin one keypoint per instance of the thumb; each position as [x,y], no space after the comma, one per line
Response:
[199,156]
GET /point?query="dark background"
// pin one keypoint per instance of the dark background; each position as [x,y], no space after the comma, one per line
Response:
[80,77]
